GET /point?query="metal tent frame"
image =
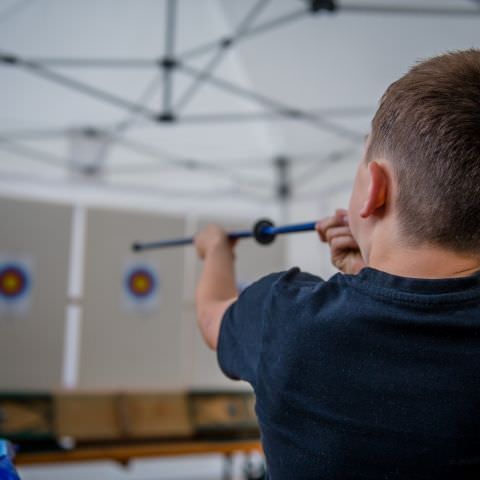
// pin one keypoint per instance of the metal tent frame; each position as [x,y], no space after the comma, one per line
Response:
[172,64]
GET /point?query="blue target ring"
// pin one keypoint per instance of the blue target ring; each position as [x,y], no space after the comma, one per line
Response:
[14,281]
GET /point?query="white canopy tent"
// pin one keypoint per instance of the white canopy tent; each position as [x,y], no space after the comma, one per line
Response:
[188,105]
[194,106]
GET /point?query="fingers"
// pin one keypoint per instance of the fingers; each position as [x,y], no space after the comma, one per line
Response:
[341,212]
[210,238]
[343,243]
[339,219]
[344,249]
[333,232]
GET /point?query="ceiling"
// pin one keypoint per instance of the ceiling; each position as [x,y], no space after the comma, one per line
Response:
[138,98]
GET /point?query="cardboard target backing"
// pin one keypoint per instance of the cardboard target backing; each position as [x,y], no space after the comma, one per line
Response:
[31,340]
[125,342]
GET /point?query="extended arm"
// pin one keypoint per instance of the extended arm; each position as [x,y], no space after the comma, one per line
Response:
[216,289]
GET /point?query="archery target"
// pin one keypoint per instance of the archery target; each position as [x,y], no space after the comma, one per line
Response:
[141,283]
[141,286]
[14,281]
[15,286]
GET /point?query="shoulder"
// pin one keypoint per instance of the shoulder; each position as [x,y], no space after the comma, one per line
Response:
[291,288]
[296,278]
[292,278]
[290,285]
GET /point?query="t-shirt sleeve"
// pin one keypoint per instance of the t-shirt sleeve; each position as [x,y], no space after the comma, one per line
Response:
[240,340]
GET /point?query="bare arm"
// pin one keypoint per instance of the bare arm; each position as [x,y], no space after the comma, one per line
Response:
[216,289]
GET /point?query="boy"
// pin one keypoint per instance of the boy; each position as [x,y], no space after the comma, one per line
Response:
[375,373]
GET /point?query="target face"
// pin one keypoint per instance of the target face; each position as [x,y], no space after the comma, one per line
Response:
[141,283]
[14,281]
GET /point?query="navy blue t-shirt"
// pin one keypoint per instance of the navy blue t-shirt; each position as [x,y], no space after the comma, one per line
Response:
[368,376]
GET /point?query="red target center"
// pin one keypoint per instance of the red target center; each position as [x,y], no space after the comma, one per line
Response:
[12,282]
[141,283]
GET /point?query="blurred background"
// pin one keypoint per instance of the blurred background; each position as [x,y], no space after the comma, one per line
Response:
[139,120]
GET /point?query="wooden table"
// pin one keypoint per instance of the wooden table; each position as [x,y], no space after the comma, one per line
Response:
[124,453]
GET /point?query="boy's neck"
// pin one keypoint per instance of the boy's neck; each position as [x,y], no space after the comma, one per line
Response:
[424,261]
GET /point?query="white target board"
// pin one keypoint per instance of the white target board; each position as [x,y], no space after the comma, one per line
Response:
[132,305]
[34,253]
[141,287]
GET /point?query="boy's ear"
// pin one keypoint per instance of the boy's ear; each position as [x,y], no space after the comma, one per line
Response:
[377,189]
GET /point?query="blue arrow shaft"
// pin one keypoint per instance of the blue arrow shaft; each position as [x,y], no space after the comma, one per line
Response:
[299,227]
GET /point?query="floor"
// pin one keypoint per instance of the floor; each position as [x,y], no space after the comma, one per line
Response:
[207,467]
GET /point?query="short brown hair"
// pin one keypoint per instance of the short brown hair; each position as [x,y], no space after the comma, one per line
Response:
[428,127]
